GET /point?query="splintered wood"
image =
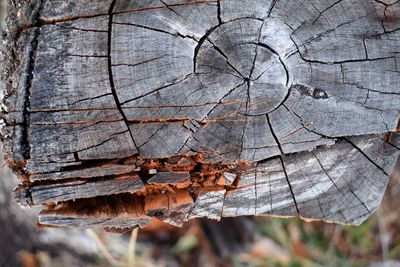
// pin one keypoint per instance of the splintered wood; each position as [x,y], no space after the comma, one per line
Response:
[119,111]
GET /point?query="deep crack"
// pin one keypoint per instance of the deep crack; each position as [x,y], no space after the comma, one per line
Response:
[110,72]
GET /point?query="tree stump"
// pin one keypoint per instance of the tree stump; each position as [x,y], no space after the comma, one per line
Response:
[119,111]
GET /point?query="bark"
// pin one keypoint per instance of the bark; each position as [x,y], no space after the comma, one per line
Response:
[119,111]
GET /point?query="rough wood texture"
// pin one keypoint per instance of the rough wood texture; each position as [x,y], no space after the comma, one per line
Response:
[118,111]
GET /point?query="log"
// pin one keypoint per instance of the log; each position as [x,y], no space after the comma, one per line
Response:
[119,111]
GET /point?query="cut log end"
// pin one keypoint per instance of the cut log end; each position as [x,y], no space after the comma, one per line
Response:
[123,111]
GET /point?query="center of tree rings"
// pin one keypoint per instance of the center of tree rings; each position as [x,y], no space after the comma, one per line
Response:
[236,48]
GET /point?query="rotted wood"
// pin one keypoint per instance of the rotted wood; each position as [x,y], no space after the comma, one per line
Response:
[119,111]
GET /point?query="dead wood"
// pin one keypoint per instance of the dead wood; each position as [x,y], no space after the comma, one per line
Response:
[119,111]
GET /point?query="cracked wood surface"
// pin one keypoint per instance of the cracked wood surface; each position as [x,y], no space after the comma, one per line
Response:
[119,111]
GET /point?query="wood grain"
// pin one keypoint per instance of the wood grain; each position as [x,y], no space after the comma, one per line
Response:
[193,109]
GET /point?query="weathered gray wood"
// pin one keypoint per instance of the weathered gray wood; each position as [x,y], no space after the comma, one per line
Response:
[40,194]
[170,178]
[89,172]
[119,111]
[312,185]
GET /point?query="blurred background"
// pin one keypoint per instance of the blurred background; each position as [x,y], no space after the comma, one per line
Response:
[233,242]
